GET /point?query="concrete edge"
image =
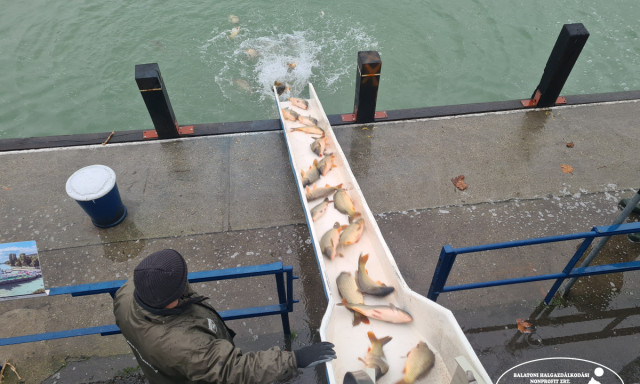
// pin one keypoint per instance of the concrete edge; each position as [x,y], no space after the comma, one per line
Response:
[18,144]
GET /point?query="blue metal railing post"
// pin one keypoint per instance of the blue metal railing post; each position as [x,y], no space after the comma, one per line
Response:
[568,268]
[441,274]
[282,298]
[290,277]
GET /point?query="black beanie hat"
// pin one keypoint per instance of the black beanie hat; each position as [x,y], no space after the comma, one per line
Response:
[160,278]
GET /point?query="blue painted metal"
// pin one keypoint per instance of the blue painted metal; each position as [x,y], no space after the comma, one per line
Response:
[285,296]
[448,256]
[88,289]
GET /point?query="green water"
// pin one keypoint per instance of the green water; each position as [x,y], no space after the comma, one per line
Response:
[68,66]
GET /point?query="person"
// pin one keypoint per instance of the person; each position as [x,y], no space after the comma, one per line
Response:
[178,337]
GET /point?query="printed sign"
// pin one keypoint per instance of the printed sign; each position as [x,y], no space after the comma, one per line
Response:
[560,370]
[20,273]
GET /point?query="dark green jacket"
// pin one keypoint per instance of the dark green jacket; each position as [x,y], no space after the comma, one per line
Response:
[194,346]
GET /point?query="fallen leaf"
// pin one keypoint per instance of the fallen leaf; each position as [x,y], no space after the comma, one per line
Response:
[459,182]
[570,145]
[566,168]
[524,326]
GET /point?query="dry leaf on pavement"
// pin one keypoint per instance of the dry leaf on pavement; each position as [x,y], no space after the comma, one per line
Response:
[566,168]
[459,182]
[524,326]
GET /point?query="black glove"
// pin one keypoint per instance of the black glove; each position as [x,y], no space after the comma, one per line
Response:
[314,354]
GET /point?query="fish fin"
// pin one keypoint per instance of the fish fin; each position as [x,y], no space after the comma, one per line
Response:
[344,302]
[385,340]
[341,255]
[315,162]
[372,336]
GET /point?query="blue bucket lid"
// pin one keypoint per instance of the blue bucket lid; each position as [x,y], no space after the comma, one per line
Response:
[90,183]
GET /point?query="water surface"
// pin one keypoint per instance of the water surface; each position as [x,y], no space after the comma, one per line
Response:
[68,67]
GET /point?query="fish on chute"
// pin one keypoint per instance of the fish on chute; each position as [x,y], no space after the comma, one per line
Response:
[291,115]
[309,129]
[375,357]
[320,209]
[327,164]
[310,176]
[349,292]
[344,203]
[320,192]
[420,360]
[329,241]
[387,313]
[300,103]
[353,232]
[307,120]
[365,283]
[319,145]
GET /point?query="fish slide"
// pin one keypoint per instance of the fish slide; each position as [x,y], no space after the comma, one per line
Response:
[404,325]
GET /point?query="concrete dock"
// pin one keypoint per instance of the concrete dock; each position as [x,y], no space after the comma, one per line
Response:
[230,200]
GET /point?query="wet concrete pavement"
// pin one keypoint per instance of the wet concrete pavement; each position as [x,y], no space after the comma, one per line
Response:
[229,201]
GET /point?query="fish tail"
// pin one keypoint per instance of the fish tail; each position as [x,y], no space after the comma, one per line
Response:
[359,318]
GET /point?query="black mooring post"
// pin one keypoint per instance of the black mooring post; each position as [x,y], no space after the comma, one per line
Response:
[568,46]
[155,96]
[367,81]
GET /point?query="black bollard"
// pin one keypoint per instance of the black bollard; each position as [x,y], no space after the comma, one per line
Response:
[367,81]
[564,55]
[155,96]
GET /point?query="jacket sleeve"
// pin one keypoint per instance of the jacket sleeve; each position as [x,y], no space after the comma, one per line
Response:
[218,361]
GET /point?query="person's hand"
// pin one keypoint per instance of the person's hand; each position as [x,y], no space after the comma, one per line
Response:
[314,354]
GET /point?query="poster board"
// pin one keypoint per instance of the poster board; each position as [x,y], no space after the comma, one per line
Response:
[20,272]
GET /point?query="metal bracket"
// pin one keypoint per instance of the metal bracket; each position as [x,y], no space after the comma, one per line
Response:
[351,117]
[534,101]
[182,130]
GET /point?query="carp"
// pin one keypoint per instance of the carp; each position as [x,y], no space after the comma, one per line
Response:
[349,292]
[353,232]
[281,87]
[318,193]
[307,120]
[251,53]
[420,360]
[311,176]
[320,209]
[375,355]
[300,103]
[310,129]
[365,283]
[326,164]
[289,114]
[343,203]
[329,241]
[388,313]
[234,32]
[319,145]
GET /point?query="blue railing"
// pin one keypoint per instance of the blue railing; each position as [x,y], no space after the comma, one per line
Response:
[285,298]
[448,257]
